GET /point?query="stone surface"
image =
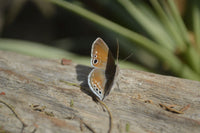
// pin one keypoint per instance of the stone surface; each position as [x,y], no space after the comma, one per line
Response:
[47,97]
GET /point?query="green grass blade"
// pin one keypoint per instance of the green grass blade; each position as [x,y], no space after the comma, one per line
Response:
[179,21]
[196,23]
[196,27]
[169,25]
[39,50]
[150,23]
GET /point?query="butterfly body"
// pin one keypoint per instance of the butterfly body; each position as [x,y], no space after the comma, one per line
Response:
[102,78]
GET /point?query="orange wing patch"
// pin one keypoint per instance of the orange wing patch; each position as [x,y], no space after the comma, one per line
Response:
[98,80]
[99,53]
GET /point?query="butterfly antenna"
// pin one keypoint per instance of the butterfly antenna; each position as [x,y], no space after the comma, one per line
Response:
[128,57]
[117,51]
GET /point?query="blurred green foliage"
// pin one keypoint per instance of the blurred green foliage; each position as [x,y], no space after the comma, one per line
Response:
[167,37]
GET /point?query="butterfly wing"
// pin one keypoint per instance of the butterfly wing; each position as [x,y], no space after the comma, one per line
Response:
[99,53]
[97,81]
[101,83]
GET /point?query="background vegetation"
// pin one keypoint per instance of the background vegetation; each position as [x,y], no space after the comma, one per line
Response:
[159,36]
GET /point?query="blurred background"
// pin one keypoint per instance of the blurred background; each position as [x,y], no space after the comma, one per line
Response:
[160,36]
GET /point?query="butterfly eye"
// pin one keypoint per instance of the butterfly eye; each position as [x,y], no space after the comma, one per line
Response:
[97,89]
[95,61]
[99,92]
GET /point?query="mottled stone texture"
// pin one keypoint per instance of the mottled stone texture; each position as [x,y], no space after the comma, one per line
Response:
[47,97]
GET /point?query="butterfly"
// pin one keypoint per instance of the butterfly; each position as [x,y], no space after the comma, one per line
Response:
[102,78]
